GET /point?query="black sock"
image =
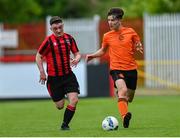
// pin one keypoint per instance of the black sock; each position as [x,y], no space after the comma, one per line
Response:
[68,114]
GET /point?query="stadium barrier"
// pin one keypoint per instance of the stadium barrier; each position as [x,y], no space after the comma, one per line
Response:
[162,46]
[160,80]
[21,80]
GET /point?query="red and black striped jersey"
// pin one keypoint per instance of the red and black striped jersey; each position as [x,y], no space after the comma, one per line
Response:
[57,50]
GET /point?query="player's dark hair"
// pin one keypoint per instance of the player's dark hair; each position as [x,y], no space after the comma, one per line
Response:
[117,12]
[55,19]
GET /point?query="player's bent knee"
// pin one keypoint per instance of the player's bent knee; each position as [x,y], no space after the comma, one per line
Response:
[74,101]
[124,90]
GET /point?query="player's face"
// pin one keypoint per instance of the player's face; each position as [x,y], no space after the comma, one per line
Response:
[113,22]
[57,28]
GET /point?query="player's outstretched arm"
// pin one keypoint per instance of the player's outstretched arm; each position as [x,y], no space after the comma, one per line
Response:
[98,53]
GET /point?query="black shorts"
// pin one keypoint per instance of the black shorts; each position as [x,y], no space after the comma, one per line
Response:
[59,86]
[130,77]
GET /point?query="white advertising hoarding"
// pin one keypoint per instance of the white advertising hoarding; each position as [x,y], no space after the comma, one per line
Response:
[21,80]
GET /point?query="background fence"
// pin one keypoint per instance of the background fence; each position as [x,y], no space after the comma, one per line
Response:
[162,50]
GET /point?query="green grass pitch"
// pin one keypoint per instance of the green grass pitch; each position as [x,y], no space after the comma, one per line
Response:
[153,116]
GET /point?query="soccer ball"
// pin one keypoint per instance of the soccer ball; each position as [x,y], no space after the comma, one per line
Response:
[110,123]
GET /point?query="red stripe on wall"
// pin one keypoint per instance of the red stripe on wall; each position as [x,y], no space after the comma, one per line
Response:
[17,58]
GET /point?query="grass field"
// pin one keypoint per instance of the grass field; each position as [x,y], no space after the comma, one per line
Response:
[153,116]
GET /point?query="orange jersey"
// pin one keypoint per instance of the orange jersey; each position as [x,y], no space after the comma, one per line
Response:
[121,46]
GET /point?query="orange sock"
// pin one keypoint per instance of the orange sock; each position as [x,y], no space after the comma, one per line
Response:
[122,106]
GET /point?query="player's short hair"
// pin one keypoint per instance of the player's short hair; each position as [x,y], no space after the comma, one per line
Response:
[117,12]
[55,19]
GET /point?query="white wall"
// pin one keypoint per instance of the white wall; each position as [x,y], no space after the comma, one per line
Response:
[20,80]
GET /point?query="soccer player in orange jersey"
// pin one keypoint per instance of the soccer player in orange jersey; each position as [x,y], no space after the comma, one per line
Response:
[122,42]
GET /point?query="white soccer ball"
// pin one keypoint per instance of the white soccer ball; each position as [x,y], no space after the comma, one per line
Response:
[110,123]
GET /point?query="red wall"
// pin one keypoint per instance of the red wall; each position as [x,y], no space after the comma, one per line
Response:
[31,36]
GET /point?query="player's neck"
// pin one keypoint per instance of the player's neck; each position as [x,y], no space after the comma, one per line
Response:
[118,28]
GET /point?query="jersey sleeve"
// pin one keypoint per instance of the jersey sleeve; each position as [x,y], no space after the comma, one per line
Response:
[44,47]
[74,47]
[104,41]
[135,37]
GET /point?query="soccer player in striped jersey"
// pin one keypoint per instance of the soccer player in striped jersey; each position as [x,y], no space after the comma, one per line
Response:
[122,42]
[61,81]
